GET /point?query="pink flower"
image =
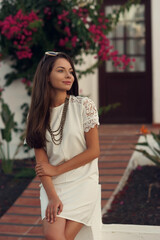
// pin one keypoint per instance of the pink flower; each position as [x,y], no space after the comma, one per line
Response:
[1,89]
[63,16]
[28,83]
[74,10]
[73,41]
[24,80]
[100,20]
[17,28]
[24,54]
[131,66]
[62,42]
[47,11]
[67,30]
[139,168]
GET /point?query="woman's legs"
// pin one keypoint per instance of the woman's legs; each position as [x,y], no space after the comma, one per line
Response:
[56,230]
[62,229]
[72,228]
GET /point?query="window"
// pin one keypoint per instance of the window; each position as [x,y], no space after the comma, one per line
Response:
[128,37]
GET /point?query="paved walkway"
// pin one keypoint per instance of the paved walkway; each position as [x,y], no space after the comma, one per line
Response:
[22,221]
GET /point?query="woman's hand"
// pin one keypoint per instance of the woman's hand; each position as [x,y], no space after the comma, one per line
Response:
[54,208]
[45,169]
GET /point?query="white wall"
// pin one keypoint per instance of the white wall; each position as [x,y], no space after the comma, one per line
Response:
[88,85]
[14,95]
[155,6]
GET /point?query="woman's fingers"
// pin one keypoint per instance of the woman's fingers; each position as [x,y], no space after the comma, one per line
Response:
[51,213]
[55,213]
[47,214]
[39,170]
[60,208]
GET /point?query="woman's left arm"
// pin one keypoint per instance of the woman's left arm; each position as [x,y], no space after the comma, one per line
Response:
[92,151]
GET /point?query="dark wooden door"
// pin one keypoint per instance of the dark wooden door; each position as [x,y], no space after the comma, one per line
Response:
[132,88]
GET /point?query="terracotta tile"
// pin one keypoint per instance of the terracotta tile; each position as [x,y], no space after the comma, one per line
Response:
[108,186]
[16,209]
[106,194]
[34,185]
[8,238]
[113,146]
[121,141]
[114,158]
[20,237]
[111,171]
[19,219]
[36,179]
[30,202]
[110,178]
[13,229]
[117,152]
[112,164]
[103,202]
[30,193]
[26,238]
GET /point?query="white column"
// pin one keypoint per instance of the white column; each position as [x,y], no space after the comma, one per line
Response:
[155,23]
[88,84]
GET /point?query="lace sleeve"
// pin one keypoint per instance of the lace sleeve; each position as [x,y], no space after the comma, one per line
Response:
[90,115]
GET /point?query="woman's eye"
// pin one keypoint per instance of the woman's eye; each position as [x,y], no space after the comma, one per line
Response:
[60,70]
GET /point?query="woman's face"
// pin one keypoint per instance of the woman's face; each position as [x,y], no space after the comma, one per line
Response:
[61,76]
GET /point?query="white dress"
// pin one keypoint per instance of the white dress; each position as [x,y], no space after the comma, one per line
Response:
[78,189]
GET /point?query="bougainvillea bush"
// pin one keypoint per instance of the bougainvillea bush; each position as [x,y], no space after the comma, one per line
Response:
[29,28]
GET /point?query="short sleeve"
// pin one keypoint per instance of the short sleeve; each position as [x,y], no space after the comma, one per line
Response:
[90,114]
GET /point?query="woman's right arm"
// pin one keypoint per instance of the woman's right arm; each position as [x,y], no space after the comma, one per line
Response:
[55,205]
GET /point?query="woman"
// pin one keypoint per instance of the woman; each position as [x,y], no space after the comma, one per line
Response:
[62,128]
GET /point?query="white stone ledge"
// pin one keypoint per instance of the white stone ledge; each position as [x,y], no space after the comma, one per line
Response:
[130,232]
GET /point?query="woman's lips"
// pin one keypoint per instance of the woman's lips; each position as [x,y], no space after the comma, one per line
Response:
[67,82]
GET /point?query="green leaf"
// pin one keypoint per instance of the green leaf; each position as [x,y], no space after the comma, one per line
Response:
[35,24]
[26,173]
[10,124]
[156,138]
[7,166]
[157,150]
[106,109]
[6,113]
[6,135]
[142,144]
[155,159]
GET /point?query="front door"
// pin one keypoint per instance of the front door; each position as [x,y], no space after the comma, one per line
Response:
[132,87]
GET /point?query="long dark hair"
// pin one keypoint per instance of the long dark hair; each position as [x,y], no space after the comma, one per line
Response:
[39,114]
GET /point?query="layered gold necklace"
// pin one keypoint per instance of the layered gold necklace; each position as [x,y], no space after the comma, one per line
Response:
[57,135]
